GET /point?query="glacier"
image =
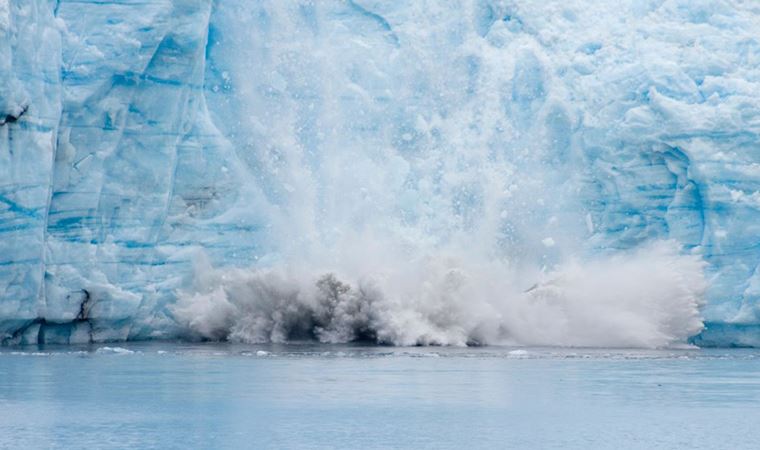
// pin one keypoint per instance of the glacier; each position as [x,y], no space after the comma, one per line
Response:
[411,172]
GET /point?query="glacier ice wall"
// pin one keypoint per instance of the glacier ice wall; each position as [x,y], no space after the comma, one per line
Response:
[138,138]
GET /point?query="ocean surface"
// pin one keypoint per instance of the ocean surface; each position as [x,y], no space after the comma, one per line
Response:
[169,395]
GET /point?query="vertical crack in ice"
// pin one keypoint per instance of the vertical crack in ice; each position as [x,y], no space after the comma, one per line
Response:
[58,100]
[686,208]
[189,115]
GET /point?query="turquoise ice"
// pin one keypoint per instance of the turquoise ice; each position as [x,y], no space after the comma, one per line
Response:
[195,168]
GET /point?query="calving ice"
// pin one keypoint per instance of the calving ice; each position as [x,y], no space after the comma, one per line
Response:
[428,172]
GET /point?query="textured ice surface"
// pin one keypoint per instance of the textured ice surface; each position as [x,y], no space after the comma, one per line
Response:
[465,146]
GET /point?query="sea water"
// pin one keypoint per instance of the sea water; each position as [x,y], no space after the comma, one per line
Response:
[163,395]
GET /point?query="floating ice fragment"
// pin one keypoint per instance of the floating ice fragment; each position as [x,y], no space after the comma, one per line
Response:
[114,350]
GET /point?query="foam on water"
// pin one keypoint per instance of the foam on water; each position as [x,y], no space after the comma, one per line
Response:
[317,351]
[114,350]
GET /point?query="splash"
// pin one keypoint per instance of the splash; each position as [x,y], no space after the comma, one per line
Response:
[644,298]
[416,177]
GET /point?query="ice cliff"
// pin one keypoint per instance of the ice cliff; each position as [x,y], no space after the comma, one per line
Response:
[445,172]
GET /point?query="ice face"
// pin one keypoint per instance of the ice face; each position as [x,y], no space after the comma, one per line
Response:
[461,160]
[30,112]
